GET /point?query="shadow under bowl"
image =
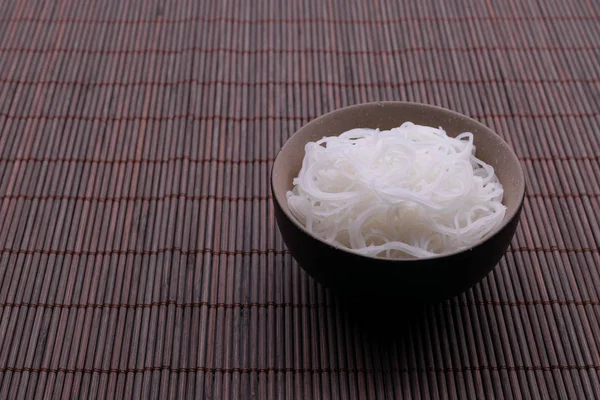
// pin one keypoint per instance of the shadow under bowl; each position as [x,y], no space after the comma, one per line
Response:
[418,280]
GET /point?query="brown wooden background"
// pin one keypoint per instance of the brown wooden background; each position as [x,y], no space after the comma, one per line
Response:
[138,251]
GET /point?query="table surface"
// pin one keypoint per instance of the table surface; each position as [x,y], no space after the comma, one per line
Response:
[139,256]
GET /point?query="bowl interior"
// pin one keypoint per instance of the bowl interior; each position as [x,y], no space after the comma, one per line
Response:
[386,115]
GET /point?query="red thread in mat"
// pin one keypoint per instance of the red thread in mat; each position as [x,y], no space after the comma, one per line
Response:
[230,118]
[337,52]
[134,198]
[138,161]
[144,252]
[269,304]
[181,370]
[382,84]
[420,18]
[165,303]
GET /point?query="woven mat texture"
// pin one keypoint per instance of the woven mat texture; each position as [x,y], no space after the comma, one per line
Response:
[139,255]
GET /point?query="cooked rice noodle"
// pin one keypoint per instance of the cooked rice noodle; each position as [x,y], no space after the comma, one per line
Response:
[408,192]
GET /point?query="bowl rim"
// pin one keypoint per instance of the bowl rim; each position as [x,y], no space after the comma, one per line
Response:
[507,219]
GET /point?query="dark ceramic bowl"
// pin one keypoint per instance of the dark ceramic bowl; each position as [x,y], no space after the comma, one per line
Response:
[426,279]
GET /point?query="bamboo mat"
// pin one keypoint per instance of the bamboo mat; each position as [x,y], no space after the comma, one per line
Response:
[139,255]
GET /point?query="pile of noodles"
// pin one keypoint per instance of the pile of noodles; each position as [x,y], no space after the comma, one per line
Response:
[409,192]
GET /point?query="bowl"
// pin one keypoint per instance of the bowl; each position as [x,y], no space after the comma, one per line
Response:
[425,279]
